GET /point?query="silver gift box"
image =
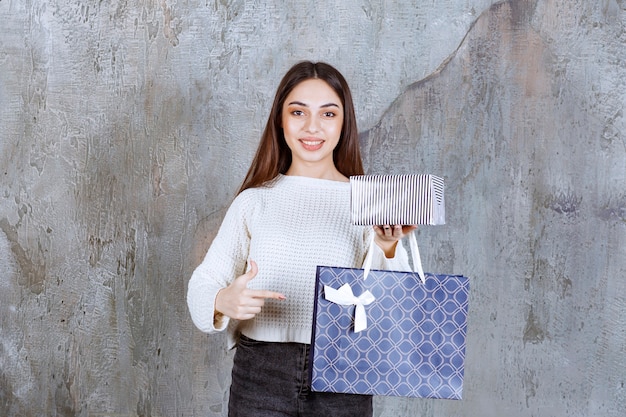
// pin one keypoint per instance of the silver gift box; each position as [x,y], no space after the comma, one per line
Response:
[397,199]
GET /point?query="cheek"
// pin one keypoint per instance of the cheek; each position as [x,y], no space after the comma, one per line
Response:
[287,128]
[337,128]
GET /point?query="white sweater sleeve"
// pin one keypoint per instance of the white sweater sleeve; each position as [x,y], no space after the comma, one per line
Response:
[225,260]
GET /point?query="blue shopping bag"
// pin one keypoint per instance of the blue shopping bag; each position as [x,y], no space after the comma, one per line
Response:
[390,334]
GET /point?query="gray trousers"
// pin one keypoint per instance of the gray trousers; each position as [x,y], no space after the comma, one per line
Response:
[272,380]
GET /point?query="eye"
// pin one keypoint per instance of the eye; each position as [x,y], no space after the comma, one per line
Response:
[329,114]
[297,112]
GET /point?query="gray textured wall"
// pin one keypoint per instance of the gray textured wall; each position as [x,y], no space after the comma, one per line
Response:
[126,126]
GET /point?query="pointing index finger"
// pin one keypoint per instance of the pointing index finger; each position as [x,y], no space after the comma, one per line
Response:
[268,294]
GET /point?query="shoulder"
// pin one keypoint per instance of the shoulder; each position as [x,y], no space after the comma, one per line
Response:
[252,198]
[257,193]
[245,200]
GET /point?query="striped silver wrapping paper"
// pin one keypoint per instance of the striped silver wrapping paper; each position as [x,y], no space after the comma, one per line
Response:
[397,199]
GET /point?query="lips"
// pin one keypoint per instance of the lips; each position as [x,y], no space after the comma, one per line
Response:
[311,144]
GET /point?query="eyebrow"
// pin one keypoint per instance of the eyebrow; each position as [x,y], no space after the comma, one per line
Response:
[299,103]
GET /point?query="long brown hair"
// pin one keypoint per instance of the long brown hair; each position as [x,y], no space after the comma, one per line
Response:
[273,156]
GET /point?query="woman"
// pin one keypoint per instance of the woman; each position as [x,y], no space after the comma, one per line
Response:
[291,214]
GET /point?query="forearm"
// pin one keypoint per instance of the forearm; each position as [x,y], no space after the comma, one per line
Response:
[201,296]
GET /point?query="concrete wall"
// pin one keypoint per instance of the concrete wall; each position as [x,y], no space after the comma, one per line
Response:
[126,126]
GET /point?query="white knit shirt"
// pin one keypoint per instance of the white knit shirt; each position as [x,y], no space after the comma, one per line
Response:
[288,228]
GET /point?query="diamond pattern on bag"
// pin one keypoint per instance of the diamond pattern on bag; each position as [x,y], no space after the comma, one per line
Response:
[414,345]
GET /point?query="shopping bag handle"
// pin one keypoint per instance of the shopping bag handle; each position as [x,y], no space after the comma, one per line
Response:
[415,253]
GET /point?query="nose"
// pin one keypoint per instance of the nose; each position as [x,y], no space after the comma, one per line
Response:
[312,124]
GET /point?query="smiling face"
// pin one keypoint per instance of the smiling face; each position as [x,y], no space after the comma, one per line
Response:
[312,118]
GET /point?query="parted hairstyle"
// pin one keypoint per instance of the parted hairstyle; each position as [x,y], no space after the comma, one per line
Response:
[273,156]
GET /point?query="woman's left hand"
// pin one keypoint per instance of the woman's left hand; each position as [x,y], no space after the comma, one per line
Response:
[387,237]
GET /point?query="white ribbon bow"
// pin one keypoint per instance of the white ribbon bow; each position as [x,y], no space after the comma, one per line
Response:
[345,297]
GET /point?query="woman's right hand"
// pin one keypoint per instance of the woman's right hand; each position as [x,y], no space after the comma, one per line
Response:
[239,302]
